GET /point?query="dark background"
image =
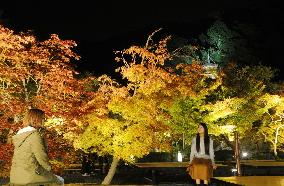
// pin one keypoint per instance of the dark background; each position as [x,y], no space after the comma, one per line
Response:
[100,27]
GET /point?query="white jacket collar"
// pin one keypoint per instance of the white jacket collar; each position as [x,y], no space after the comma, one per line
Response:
[26,129]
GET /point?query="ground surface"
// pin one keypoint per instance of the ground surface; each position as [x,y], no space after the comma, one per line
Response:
[255,180]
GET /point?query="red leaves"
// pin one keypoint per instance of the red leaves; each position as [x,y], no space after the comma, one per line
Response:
[6,152]
[38,74]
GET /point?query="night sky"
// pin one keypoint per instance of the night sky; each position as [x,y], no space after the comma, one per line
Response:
[100,27]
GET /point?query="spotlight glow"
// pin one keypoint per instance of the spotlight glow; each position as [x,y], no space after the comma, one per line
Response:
[179,156]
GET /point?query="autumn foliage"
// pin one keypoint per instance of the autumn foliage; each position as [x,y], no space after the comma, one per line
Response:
[159,101]
[37,74]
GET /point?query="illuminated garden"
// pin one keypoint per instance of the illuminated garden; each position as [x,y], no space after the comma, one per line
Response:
[167,86]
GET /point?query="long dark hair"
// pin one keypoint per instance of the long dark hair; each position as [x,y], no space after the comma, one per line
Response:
[206,139]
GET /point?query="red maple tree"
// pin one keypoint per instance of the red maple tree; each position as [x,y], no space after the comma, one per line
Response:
[38,74]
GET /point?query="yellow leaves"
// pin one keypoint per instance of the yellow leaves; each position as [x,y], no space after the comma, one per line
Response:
[133,125]
[272,105]
[130,128]
[123,139]
[272,112]
[55,123]
[136,73]
[136,109]
[272,101]
[133,141]
[221,109]
[143,62]
[152,85]
[106,80]
[56,163]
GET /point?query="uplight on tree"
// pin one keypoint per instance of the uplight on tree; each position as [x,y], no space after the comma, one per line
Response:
[179,156]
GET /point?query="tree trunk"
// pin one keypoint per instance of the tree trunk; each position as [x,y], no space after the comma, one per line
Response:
[111,172]
[276,140]
[237,154]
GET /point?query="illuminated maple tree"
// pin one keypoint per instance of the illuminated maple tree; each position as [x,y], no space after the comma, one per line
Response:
[130,122]
[37,74]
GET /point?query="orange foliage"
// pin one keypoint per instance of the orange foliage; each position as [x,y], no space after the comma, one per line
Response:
[132,121]
[39,74]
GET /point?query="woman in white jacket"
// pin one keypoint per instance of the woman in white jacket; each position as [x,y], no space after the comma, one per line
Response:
[202,156]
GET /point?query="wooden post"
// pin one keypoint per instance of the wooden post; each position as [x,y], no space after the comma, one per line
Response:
[237,154]
[183,141]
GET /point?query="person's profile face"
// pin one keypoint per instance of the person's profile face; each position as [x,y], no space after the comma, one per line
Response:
[200,129]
